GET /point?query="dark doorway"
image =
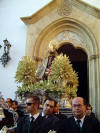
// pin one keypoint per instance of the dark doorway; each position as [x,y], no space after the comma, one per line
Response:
[78,60]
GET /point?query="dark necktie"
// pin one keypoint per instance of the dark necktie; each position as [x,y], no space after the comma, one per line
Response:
[78,124]
[32,119]
[30,123]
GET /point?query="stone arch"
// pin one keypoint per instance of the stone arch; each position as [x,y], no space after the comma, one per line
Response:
[63,27]
[68,30]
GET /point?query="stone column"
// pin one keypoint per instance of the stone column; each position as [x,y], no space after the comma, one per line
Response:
[94,83]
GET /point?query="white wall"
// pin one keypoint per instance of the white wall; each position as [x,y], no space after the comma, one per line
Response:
[12,28]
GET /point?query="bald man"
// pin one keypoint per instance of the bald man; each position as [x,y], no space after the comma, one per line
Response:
[79,122]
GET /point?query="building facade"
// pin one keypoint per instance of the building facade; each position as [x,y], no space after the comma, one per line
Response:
[78,25]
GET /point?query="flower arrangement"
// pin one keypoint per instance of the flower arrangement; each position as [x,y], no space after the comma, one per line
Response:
[63,75]
[62,80]
[25,75]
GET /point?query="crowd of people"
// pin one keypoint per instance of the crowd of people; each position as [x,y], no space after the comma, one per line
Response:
[9,113]
[50,119]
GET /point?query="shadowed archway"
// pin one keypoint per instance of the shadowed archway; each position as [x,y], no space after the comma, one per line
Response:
[79,63]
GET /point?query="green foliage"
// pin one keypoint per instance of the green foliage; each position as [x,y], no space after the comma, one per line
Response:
[25,73]
[62,80]
[49,88]
[63,74]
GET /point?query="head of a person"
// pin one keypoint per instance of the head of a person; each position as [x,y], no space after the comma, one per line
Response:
[48,107]
[53,46]
[15,105]
[9,102]
[1,102]
[79,107]
[88,109]
[56,108]
[32,104]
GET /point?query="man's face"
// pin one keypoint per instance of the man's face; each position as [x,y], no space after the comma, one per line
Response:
[78,107]
[9,103]
[1,103]
[48,107]
[14,105]
[88,111]
[31,106]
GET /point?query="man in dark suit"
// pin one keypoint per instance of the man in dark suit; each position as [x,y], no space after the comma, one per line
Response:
[34,123]
[89,110]
[20,113]
[9,102]
[79,122]
[48,113]
[7,120]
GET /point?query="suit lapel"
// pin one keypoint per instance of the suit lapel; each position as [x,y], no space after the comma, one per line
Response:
[73,126]
[35,126]
[26,123]
[85,123]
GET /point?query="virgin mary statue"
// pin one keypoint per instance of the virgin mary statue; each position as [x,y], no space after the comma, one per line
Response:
[44,69]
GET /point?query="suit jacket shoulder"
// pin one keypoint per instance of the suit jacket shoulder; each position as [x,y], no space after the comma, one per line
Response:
[8,120]
[91,125]
[38,126]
